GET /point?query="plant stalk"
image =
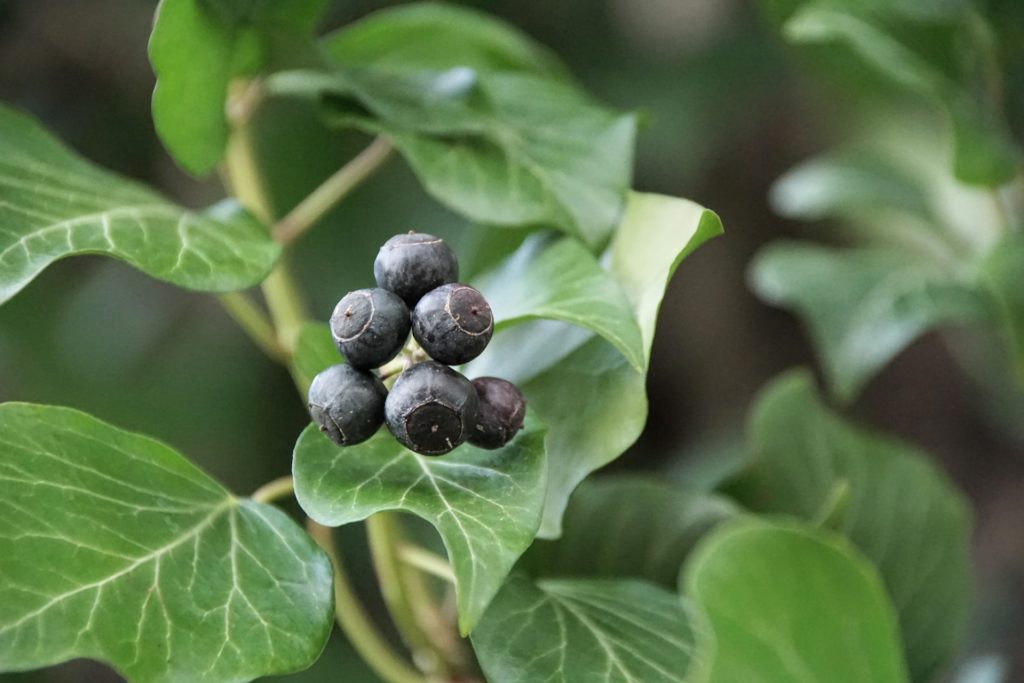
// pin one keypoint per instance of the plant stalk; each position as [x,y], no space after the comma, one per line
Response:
[282,487]
[255,323]
[356,624]
[333,190]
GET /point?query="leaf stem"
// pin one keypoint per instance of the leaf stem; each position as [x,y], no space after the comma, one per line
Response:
[282,487]
[356,624]
[255,323]
[334,189]
[383,531]
[426,561]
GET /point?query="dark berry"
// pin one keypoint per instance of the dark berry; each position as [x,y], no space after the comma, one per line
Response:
[370,327]
[501,413]
[347,404]
[453,324]
[431,408]
[411,265]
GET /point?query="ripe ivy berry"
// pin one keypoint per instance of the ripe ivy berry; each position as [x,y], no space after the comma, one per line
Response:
[411,265]
[431,408]
[453,324]
[347,404]
[501,413]
[370,327]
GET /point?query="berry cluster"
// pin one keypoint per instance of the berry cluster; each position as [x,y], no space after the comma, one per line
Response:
[431,408]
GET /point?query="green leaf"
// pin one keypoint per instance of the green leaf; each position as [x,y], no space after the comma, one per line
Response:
[862,307]
[1002,274]
[628,526]
[54,204]
[984,152]
[197,47]
[501,148]
[114,547]
[558,279]
[791,603]
[838,186]
[314,351]
[900,510]
[593,402]
[585,631]
[437,36]
[485,504]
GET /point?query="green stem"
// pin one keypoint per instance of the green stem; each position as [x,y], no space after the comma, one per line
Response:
[282,487]
[255,323]
[384,533]
[333,190]
[426,561]
[287,309]
[356,624]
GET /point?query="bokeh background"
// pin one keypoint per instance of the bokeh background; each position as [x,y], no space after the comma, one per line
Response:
[727,109]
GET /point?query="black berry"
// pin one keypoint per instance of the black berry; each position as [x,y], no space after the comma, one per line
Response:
[370,327]
[453,324]
[501,413]
[431,408]
[347,404]
[411,265]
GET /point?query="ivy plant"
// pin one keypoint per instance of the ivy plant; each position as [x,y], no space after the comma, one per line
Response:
[504,565]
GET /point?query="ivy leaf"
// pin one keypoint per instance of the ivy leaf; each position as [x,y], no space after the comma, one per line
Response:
[55,204]
[500,148]
[862,307]
[485,504]
[314,351]
[593,402]
[792,603]
[114,547]
[197,47]
[558,279]
[1002,274]
[900,510]
[436,36]
[570,631]
[984,151]
[628,526]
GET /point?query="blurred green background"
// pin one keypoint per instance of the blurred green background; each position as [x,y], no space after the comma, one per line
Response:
[727,108]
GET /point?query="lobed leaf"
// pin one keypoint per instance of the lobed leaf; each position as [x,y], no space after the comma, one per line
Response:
[862,307]
[55,204]
[558,279]
[899,509]
[789,603]
[570,631]
[593,402]
[485,504]
[114,547]
[502,148]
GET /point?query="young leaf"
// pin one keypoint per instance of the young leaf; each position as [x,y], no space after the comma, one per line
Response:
[558,279]
[900,510]
[593,402]
[862,307]
[501,148]
[791,603]
[576,631]
[55,204]
[628,526]
[197,47]
[114,547]
[485,504]
[436,36]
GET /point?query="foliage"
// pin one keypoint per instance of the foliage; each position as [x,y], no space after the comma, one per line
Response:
[810,564]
